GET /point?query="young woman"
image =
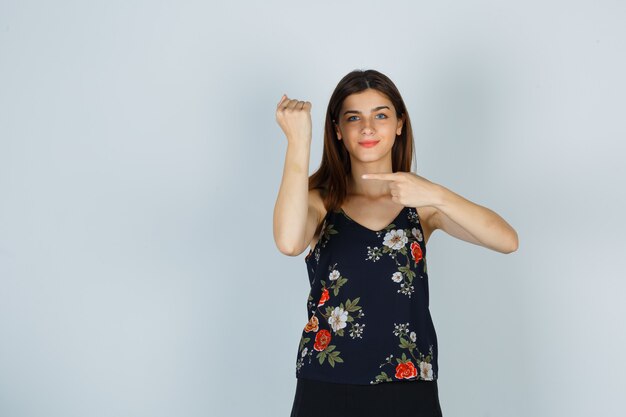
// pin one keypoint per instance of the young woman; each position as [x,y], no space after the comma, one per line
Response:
[369,347]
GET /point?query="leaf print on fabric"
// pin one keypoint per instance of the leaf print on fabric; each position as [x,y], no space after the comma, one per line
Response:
[394,243]
[321,345]
[405,366]
[336,279]
[413,216]
[373,254]
[357,330]
[338,342]
[325,296]
[337,317]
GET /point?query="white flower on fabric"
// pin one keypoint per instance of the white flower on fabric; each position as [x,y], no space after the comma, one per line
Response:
[334,275]
[304,351]
[417,233]
[406,289]
[338,318]
[413,336]
[426,371]
[397,276]
[396,239]
[400,329]
[373,254]
[357,331]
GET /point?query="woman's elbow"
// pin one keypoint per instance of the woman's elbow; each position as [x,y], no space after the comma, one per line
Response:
[514,244]
[287,248]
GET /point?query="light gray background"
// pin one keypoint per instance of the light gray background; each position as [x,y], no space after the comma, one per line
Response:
[140,162]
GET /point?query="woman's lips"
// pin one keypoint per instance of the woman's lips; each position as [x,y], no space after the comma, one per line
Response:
[369,144]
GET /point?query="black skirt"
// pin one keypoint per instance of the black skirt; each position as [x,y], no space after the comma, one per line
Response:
[417,398]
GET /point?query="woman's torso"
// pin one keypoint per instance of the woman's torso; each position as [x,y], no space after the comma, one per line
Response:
[368,317]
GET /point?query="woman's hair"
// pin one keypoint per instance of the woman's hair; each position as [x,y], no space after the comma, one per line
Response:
[331,178]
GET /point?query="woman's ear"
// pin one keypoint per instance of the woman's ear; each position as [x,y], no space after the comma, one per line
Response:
[337,131]
[400,125]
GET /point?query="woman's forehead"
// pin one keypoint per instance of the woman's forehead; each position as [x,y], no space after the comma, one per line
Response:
[366,100]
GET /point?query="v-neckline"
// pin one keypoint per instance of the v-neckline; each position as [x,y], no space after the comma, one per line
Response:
[367,228]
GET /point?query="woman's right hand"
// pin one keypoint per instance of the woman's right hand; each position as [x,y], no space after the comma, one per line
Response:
[294,118]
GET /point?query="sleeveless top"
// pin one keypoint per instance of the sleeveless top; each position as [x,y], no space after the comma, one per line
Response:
[368,315]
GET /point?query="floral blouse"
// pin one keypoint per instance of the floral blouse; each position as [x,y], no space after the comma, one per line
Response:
[368,315]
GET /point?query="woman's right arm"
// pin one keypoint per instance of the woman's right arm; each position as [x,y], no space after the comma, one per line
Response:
[295,214]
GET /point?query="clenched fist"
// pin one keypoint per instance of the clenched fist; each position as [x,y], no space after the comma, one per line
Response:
[294,118]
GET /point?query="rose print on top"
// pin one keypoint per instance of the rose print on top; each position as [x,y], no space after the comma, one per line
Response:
[337,317]
[334,345]
[394,244]
[405,366]
[326,232]
[323,298]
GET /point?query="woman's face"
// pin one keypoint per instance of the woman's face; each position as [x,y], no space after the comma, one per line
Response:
[368,125]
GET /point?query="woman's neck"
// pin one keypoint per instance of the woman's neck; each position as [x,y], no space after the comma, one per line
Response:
[368,188]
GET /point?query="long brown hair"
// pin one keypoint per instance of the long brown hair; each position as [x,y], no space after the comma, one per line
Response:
[331,178]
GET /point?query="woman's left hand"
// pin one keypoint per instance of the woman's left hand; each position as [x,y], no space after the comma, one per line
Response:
[408,188]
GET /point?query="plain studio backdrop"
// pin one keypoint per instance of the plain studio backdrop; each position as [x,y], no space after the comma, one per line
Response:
[140,161]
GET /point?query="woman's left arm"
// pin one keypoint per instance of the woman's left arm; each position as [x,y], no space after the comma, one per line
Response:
[455,215]
[471,222]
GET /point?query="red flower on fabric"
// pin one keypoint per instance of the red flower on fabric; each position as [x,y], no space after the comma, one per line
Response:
[323,298]
[406,370]
[322,339]
[416,252]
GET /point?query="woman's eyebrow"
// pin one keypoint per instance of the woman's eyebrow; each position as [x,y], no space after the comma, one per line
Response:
[373,110]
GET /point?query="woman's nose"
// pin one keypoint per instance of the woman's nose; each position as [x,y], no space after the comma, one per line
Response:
[367,126]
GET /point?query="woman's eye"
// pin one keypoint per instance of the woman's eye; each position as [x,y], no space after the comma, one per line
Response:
[380,114]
